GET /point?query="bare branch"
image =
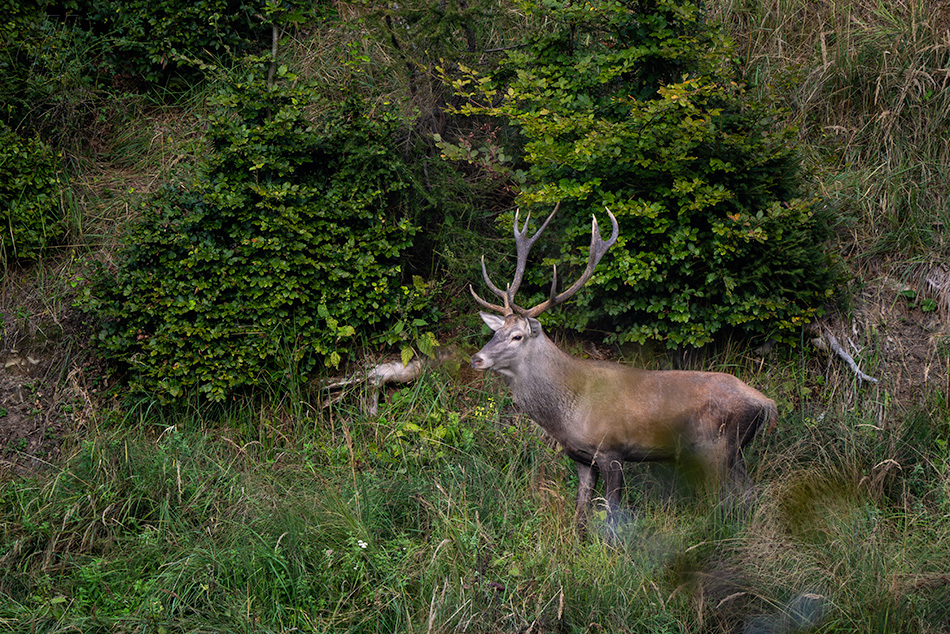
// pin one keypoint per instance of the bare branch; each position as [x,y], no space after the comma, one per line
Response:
[827,341]
[385,373]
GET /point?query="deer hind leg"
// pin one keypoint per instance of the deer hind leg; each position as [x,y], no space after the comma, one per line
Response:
[739,480]
[740,484]
[727,475]
[716,461]
[587,475]
[612,469]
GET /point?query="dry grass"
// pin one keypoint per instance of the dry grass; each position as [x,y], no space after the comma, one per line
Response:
[867,84]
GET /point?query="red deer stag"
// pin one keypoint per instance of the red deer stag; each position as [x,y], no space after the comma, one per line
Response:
[604,413]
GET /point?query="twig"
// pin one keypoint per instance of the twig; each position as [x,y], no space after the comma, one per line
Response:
[828,340]
[504,48]
[275,40]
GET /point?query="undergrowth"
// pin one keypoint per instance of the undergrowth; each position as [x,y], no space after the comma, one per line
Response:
[866,83]
[447,512]
[291,510]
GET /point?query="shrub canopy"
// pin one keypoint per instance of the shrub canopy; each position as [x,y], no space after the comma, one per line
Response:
[281,256]
[634,106]
[30,192]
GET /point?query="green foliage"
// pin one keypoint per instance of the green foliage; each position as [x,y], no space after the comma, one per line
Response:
[283,256]
[55,86]
[30,191]
[17,15]
[151,41]
[57,54]
[424,430]
[230,518]
[631,106]
[418,36]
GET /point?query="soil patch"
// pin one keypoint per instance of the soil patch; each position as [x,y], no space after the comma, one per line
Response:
[33,413]
[41,398]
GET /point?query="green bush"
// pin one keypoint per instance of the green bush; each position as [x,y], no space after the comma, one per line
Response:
[53,74]
[282,257]
[633,106]
[149,40]
[135,43]
[30,190]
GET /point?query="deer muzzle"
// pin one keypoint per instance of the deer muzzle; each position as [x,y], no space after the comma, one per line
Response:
[480,363]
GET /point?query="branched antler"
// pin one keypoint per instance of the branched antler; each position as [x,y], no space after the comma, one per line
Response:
[598,247]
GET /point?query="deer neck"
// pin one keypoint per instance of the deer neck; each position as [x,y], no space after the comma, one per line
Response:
[541,385]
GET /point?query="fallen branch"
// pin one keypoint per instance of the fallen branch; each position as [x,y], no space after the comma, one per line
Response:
[827,341]
[382,374]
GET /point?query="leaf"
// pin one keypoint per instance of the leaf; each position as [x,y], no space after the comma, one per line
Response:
[427,344]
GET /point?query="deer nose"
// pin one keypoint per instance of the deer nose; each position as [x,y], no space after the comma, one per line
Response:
[477,362]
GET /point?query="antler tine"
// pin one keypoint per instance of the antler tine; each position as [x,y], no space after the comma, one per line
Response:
[597,243]
[504,310]
[488,305]
[598,247]
[553,282]
[523,246]
[491,285]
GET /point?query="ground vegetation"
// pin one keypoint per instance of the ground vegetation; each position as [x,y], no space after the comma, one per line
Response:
[282,506]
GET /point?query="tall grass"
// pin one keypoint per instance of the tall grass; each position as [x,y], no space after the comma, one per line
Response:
[446,512]
[867,83]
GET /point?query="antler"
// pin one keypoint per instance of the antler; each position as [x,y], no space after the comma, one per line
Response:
[598,247]
[523,246]
[597,250]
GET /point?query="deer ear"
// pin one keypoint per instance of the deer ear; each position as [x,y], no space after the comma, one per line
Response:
[492,321]
[535,326]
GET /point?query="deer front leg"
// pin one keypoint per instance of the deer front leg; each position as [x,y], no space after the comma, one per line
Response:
[587,474]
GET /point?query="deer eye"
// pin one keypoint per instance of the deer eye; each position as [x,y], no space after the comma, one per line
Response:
[517,337]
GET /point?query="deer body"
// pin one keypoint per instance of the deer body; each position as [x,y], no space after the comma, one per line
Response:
[603,414]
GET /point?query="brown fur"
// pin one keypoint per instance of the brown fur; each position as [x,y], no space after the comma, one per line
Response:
[605,413]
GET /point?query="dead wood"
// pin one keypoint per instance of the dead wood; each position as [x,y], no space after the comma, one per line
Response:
[827,342]
[376,376]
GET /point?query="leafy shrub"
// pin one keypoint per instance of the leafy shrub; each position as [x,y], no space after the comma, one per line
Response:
[52,71]
[17,25]
[51,89]
[283,255]
[633,106]
[150,41]
[136,42]
[30,188]
[151,38]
